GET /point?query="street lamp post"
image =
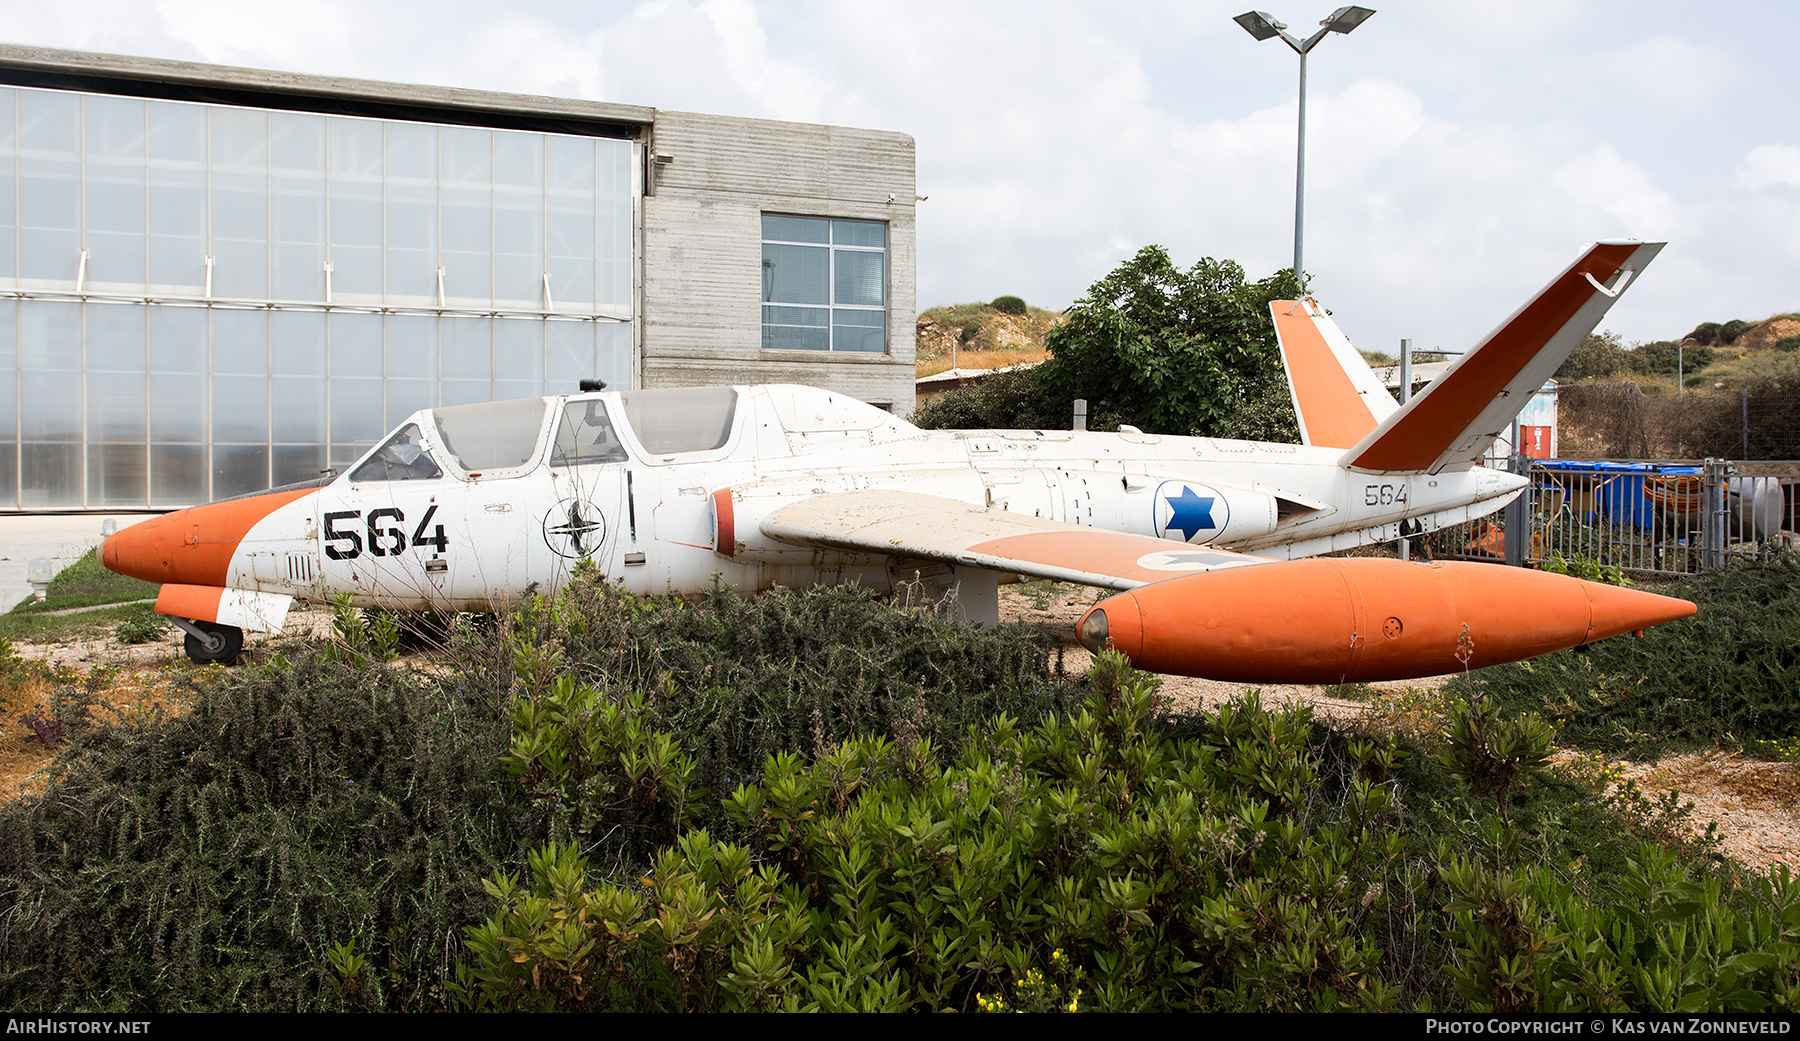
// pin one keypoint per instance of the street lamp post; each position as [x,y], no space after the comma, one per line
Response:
[1263,26]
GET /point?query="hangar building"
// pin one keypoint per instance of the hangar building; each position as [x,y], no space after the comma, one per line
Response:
[216,280]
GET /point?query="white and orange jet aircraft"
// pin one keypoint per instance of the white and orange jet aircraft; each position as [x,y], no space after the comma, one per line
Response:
[466,508]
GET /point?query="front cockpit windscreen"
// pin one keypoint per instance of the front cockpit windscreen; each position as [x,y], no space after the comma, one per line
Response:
[585,436]
[492,435]
[403,458]
[685,419]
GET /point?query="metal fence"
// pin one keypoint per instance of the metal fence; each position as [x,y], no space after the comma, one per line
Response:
[1663,516]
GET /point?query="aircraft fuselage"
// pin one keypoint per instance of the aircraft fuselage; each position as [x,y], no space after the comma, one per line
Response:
[474,539]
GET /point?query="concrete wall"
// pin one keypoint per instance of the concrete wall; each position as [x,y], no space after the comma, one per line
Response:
[702,248]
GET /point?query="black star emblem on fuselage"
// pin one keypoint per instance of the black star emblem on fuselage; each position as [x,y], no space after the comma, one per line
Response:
[574,528]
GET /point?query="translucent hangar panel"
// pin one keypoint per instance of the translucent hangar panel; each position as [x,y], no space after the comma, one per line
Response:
[202,300]
[185,404]
[146,197]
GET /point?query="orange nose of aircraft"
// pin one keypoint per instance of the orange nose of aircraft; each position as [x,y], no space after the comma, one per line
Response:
[192,546]
[1362,620]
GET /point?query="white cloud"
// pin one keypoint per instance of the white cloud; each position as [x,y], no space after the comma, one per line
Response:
[1455,160]
[1599,178]
[1770,165]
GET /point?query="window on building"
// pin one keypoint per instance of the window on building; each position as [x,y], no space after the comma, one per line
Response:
[824,284]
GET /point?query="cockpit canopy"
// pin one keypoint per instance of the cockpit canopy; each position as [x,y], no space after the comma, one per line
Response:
[494,437]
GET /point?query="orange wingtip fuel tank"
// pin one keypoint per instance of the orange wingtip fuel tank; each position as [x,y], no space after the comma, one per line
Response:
[1361,620]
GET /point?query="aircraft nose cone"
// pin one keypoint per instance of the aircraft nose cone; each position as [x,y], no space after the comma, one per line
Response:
[1613,610]
[192,546]
[139,551]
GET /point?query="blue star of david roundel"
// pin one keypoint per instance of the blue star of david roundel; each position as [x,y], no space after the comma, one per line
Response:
[574,528]
[1188,512]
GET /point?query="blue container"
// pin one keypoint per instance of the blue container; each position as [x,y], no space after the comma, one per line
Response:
[1619,487]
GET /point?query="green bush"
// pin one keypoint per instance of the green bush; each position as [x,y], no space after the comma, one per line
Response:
[1086,854]
[1788,343]
[1705,333]
[1009,305]
[211,860]
[814,800]
[142,626]
[788,671]
[998,401]
[1530,941]
[1730,331]
[1169,351]
[1729,674]
[1109,861]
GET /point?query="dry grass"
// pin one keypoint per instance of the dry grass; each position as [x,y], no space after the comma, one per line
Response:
[22,757]
[124,693]
[976,359]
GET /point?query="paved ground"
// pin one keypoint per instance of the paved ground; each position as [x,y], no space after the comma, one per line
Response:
[63,538]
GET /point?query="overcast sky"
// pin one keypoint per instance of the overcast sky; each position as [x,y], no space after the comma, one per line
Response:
[1458,155]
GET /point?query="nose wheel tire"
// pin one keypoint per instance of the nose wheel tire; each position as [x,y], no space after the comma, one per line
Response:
[221,644]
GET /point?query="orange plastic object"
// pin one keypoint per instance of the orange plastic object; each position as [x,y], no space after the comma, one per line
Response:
[192,546]
[1362,619]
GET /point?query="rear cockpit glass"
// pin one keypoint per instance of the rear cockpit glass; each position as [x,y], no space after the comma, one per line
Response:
[492,435]
[403,458]
[686,419]
[586,436]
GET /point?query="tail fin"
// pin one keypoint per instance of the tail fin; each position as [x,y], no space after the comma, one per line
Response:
[1337,398]
[1450,424]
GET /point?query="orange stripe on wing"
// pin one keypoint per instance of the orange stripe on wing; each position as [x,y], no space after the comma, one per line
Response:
[1332,413]
[1099,552]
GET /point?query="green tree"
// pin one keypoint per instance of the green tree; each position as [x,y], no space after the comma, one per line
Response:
[1165,350]
[1176,352]
[1599,356]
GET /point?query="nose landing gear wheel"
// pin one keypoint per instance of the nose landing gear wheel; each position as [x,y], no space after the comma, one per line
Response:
[221,643]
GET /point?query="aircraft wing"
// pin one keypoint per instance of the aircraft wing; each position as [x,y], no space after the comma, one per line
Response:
[911,524]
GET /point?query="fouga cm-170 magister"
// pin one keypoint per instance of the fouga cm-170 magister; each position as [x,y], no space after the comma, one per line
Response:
[468,507]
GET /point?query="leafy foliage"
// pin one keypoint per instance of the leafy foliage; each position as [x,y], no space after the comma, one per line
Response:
[1009,305]
[792,671]
[810,800]
[1171,351]
[1729,674]
[208,861]
[1153,346]
[143,626]
[1604,356]
[998,401]
[1174,874]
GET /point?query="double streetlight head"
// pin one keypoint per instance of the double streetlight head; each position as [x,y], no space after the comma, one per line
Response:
[1263,26]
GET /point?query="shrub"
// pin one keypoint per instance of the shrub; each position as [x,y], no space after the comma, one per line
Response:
[1705,333]
[141,627]
[1730,331]
[1731,673]
[790,671]
[1086,857]
[1009,305]
[212,860]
